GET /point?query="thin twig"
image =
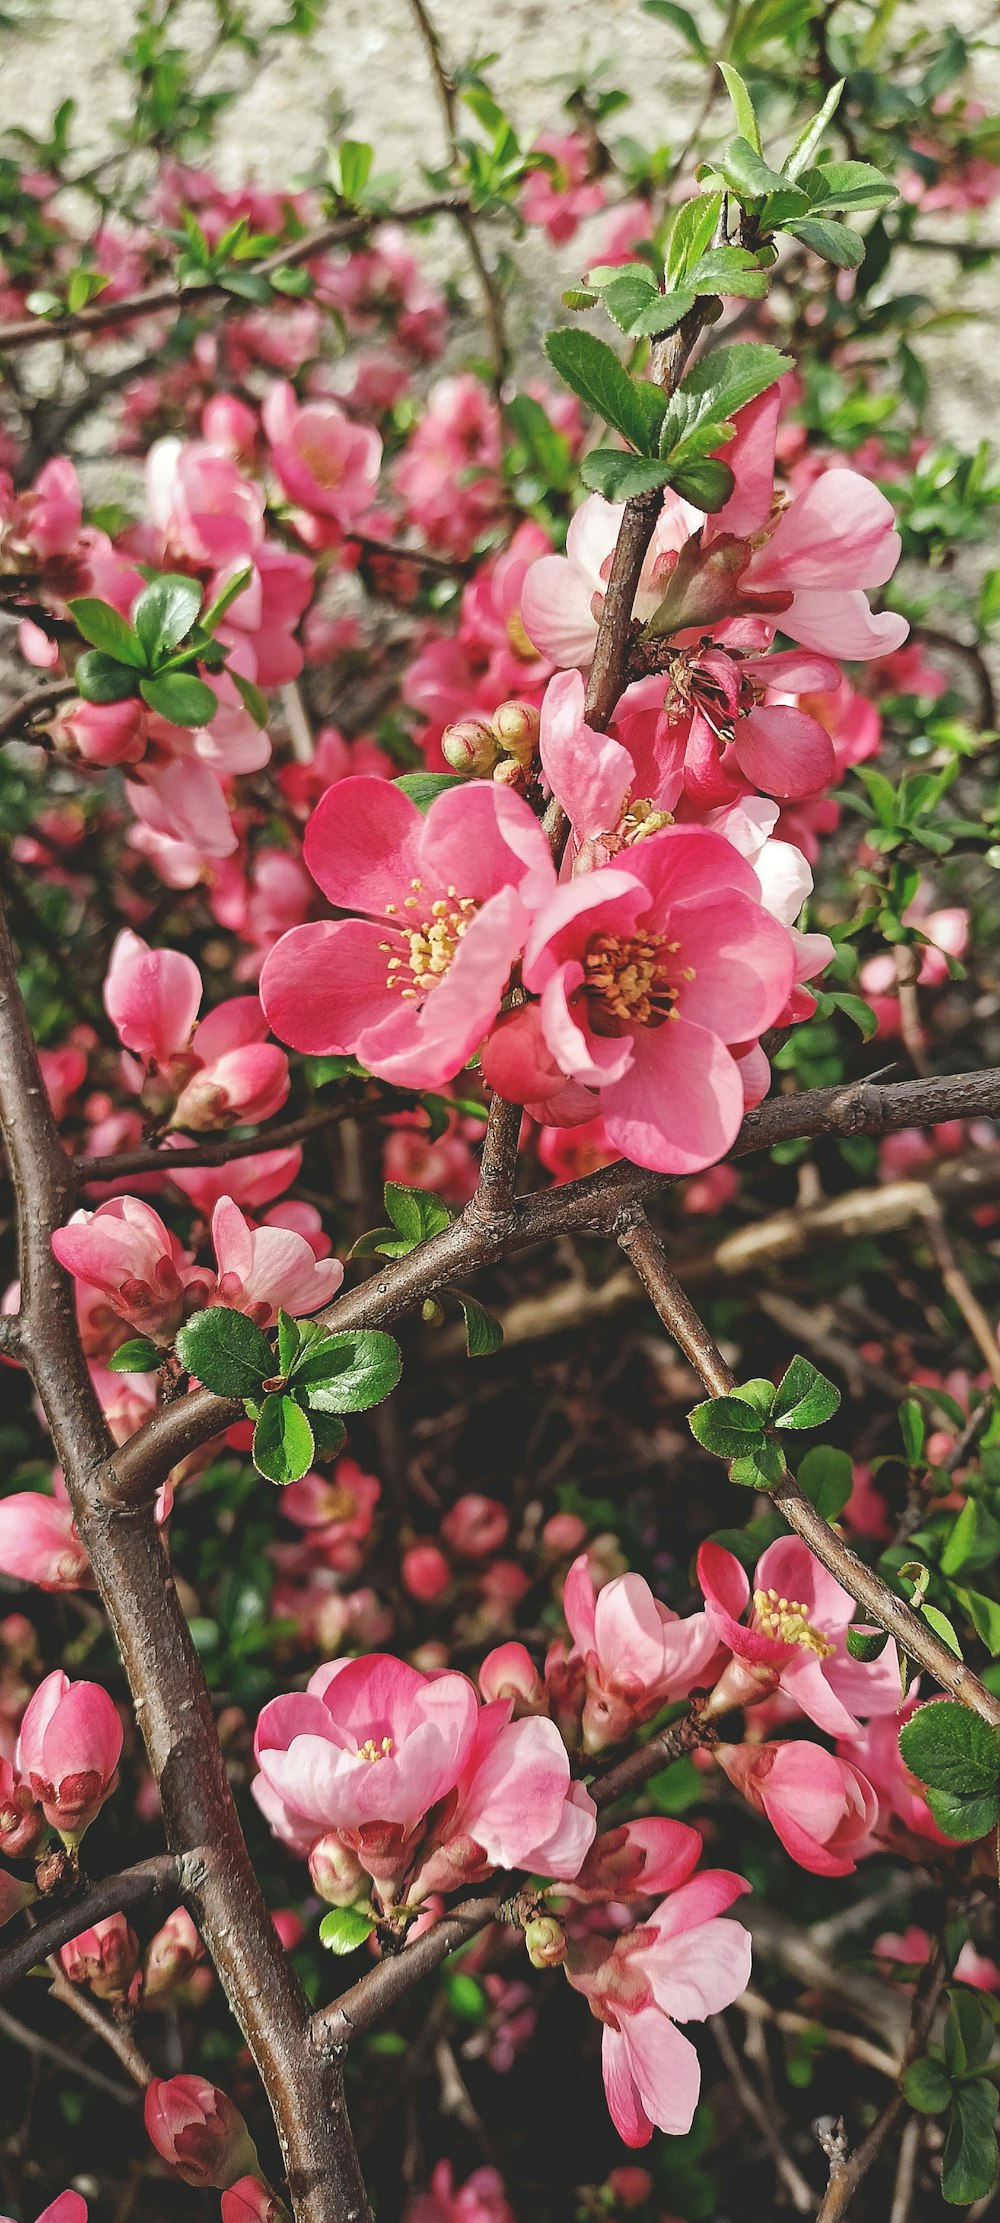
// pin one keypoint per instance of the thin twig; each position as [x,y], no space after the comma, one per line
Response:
[444,86]
[113,2034]
[976,1320]
[847,2170]
[162,1877]
[46,2049]
[800,2193]
[14,721]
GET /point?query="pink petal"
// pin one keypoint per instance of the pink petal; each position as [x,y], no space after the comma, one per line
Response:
[579,1603]
[628,1631]
[784,751]
[589,773]
[750,456]
[151,997]
[230,1026]
[666,2070]
[680,1106]
[697,1902]
[362,844]
[422,1048]
[624,2105]
[743,965]
[701,1972]
[232,1240]
[843,624]
[482,838]
[322,985]
[840,533]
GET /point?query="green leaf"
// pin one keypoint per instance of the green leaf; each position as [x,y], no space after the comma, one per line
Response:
[137,1356]
[848,185]
[345,1928]
[703,481]
[942,1627]
[330,1434]
[732,270]
[801,154]
[231,592]
[950,1749]
[866,1644]
[226,1351]
[354,162]
[466,1997]
[726,1425]
[968,2031]
[416,1213]
[609,471]
[743,107]
[107,630]
[180,696]
[682,21]
[100,679]
[594,373]
[827,1477]
[855,1007]
[289,1342]
[252,698]
[693,231]
[913,1429]
[969,2164]
[283,1443]
[927,2084]
[483,1332]
[964,1818]
[165,613]
[804,1398]
[715,389]
[974,1541]
[752,179]
[423,788]
[347,1373]
[984,1614]
[759,1468]
[835,242]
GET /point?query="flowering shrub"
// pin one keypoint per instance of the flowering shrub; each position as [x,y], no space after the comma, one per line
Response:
[477,825]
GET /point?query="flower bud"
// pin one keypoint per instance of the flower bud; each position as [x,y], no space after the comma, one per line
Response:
[105,1958]
[336,1872]
[475,1527]
[425,1572]
[517,726]
[22,1823]
[564,1533]
[545,1939]
[742,1683]
[250,2201]
[470,746]
[171,1955]
[510,1672]
[630,2186]
[69,1748]
[290,1927]
[196,2128]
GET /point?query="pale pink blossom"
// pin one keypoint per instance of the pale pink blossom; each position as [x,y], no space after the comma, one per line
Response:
[328,466]
[68,1750]
[412,988]
[39,1541]
[637,1655]
[124,1251]
[264,1269]
[820,1806]
[514,1807]
[204,510]
[251,1182]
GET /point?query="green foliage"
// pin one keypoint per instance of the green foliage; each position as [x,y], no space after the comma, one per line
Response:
[345,1928]
[296,1394]
[741,1427]
[956,1756]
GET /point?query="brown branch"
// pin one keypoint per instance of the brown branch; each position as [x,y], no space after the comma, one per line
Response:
[171,1700]
[121,1165]
[163,1877]
[594,1205]
[21,713]
[800,2193]
[847,2170]
[113,2034]
[645,1252]
[100,315]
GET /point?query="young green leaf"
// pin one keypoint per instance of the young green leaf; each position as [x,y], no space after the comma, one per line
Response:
[726,1425]
[801,154]
[732,270]
[835,242]
[348,1373]
[848,185]
[345,1928]
[290,1342]
[969,2162]
[752,179]
[743,107]
[483,1332]
[702,480]
[927,2084]
[137,1356]
[283,1444]
[866,1644]
[252,698]
[984,1614]
[594,372]
[100,679]
[950,1749]
[415,1213]
[165,613]
[107,630]
[683,21]
[180,696]
[226,1351]
[941,1626]
[913,1429]
[966,1818]
[804,1398]
[974,1540]
[423,788]
[760,1467]
[354,161]
[827,1477]
[609,471]
[693,231]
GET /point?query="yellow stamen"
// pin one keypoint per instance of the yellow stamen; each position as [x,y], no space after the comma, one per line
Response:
[787,1620]
[371,1751]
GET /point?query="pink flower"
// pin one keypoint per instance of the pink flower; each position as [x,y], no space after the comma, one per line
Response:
[796,1636]
[124,1250]
[904,1821]
[449,474]
[196,2128]
[412,988]
[206,513]
[481,2199]
[646,978]
[152,997]
[101,733]
[369,1742]
[510,1673]
[820,1806]
[68,1751]
[264,1268]
[637,1655]
[326,464]
[171,1955]
[638,1860]
[515,1807]
[563,596]
[251,1182]
[105,1958]
[250,2201]
[560,200]
[475,1527]
[39,1541]
[69,2208]
[680,1966]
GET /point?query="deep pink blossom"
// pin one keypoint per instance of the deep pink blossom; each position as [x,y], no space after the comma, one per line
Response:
[820,1806]
[636,1654]
[262,1269]
[68,1750]
[448,476]
[411,988]
[796,1635]
[328,466]
[559,199]
[124,1251]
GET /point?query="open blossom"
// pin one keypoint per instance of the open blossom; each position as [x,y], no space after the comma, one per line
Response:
[262,1269]
[795,1638]
[514,1807]
[649,979]
[635,1653]
[681,1965]
[39,1541]
[328,466]
[412,987]
[124,1251]
[559,199]
[196,2128]
[822,1807]
[68,1750]
[481,2199]
[205,511]
[200,1076]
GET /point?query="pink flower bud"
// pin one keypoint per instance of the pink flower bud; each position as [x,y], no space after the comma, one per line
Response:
[105,1957]
[517,726]
[336,1872]
[14,1897]
[196,2128]
[22,1823]
[250,2201]
[545,1939]
[470,746]
[565,1532]
[290,1927]
[475,1527]
[171,1955]
[68,1749]
[510,1672]
[630,2186]
[424,1572]
[820,1806]
[102,732]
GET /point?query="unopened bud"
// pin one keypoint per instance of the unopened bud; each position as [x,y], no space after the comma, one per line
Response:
[250,2201]
[509,773]
[470,746]
[742,1683]
[424,1572]
[172,1954]
[105,1958]
[517,726]
[336,1871]
[545,1939]
[196,2128]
